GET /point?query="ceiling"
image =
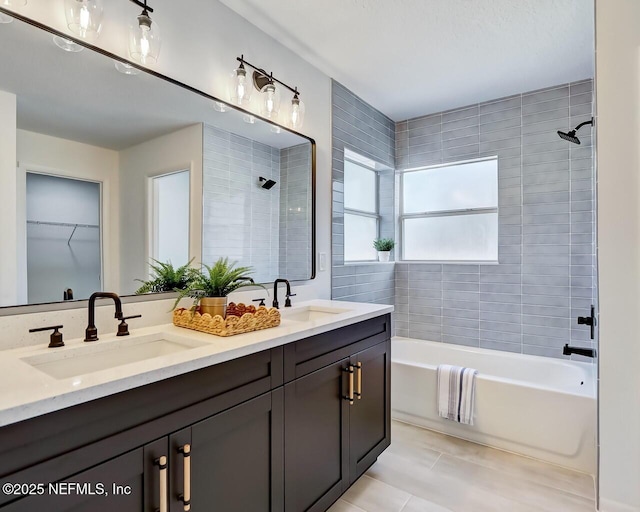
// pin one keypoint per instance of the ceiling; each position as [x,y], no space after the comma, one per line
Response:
[414,57]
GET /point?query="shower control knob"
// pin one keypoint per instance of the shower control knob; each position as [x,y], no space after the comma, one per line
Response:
[589,320]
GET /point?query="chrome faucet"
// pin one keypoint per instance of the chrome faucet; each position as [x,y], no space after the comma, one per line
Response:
[287,302]
[91,333]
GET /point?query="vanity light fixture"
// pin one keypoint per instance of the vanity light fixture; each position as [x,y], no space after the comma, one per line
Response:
[5,18]
[296,115]
[84,17]
[270,99]
[126,69]
[218,106]
[239,86]
[268,85]
[67,45]
[144,37]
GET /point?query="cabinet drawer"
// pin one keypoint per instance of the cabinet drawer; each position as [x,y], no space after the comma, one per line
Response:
[308,355]
[39,440]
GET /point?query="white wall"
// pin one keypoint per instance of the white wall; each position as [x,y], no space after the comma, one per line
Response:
[177,151]
[618,126]
[8,209]
[201,40]
[71,159]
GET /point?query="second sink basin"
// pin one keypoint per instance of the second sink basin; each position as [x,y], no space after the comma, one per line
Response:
[310,313]
[94,357]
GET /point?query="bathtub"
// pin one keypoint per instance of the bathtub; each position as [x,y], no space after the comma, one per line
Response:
[535,406]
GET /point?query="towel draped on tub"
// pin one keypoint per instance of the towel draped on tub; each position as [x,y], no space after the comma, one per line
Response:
[456,393]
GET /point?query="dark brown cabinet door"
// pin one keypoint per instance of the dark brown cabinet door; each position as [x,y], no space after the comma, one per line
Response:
[316,439]
[236,458]
[93,490]
[370,419]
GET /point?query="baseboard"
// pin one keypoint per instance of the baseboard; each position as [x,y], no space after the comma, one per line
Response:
[614,506]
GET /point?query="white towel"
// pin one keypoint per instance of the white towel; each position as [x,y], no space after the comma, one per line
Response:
[456,393]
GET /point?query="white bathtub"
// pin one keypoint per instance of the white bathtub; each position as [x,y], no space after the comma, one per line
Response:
[536,406]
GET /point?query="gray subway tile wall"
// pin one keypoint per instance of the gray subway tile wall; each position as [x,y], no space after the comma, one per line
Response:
[240,219]
[546,275]
[295,212]
[362,129]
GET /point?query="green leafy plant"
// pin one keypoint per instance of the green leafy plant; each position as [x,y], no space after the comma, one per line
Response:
[218,280]
[166,278]
[384,244]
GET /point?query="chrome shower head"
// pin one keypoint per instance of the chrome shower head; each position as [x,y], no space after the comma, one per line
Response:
[571,136]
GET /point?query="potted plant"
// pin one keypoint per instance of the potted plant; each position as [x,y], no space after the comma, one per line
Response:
[166,278]
[384,247]
[211,285]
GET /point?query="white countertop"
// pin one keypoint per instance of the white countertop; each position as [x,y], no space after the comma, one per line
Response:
[28,392]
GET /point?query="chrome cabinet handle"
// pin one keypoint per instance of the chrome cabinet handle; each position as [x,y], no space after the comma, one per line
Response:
[185,497]
[349,396]
[161,462]
[358,392]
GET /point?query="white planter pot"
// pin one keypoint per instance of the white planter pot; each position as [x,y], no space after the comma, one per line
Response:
[384,255]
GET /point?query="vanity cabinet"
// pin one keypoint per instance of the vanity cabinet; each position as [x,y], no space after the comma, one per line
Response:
[337,411]
[275,431]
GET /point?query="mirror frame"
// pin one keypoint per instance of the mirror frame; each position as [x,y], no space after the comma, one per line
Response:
[78,304]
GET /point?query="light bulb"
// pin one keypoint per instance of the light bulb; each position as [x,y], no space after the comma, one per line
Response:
[85,18]
[145,46]
[270,101]
[240,87]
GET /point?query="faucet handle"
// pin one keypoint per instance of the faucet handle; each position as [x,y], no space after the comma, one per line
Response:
[287,302]
[123,328]
[259,300]
[55,340]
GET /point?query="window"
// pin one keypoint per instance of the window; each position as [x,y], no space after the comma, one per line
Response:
[361,217]
[450,212]
[170,218]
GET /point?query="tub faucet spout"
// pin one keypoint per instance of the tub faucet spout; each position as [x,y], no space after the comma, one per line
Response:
[587,352]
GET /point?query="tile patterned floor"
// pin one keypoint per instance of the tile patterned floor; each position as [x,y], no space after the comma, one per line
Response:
[423,471]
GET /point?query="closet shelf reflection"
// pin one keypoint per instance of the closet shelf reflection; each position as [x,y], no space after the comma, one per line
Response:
[64,225]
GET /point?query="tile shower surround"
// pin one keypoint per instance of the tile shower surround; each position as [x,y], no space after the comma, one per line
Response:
[545,278]
[359,127]
[265,229]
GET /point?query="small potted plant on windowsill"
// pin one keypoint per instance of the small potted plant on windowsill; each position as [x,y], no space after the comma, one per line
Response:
[384,246]
[166,278]
[210,286]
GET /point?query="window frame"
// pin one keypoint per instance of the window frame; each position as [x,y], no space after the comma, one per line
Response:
[443,213]
[362,213]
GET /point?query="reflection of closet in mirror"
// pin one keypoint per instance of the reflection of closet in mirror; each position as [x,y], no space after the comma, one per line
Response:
[170,218]
[62,237]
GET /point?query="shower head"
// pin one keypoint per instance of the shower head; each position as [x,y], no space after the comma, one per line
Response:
[571,136]
[266,184]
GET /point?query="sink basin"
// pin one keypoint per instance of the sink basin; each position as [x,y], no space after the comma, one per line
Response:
[97,356]
[310,313]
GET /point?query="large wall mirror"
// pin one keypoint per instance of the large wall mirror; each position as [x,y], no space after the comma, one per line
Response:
[116,170]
